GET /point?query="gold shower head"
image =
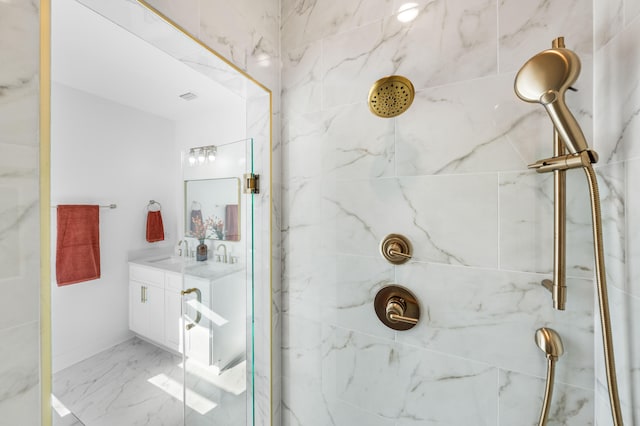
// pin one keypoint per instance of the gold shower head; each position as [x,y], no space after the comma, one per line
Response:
[391,96]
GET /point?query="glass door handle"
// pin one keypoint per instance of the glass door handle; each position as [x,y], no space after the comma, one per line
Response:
[199,299]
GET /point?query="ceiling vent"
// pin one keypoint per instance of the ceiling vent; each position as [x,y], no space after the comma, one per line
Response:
[188,96]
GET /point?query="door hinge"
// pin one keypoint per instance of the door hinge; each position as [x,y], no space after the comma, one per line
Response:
[251,183]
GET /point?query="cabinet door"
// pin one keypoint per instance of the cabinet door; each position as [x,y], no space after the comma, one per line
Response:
[146,310]
[172,320]
[137,308]
[154,302]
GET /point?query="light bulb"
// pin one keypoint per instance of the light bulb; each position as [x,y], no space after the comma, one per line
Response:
[192,158]
[201,156]
[212,155]
[408,12]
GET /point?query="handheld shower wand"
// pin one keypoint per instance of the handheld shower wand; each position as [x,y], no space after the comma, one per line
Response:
[549,341]
[545,79]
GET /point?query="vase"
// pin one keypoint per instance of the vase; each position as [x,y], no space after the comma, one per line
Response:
[201,251]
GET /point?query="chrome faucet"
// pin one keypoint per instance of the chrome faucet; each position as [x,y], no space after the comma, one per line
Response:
[224,258]
[186,246]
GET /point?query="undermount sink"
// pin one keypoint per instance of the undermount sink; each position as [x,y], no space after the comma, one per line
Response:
[168,263]
[212,270]
[208,269]
[171,260]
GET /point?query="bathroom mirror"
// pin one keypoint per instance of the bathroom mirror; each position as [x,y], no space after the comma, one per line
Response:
[212,209]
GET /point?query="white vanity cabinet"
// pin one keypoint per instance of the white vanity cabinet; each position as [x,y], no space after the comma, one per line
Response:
[146,303]
[198,338]
[214,327]
[229,337]
[172,312]
[219,338]
[154,305]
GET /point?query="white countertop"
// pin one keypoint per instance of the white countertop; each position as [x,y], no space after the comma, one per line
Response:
[208,269]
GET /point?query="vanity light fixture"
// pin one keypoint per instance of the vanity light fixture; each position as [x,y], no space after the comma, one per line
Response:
[202,155]
[211,154]
[408,12]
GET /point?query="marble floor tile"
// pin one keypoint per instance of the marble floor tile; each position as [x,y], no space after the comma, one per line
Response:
[137,383]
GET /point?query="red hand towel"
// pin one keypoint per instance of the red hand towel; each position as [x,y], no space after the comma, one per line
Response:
[78,244]
[155,229]
[231,223]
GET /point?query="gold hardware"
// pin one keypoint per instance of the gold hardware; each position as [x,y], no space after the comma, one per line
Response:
[396,249]
[549,341]
[603,299]
[397,307]
[391,96]
[251,183]
[544,79]
[559,285]
[565,162]
[199,298]
[558,42]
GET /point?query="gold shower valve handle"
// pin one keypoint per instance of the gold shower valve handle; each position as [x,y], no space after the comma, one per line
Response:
[396,252]
[397,307]
[396,249]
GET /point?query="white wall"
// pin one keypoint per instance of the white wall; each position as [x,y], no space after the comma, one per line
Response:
[103,152]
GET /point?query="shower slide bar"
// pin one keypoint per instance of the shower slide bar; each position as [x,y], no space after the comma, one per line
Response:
[544,79]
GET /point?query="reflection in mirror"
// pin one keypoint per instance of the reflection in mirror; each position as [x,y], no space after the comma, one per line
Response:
[212,209]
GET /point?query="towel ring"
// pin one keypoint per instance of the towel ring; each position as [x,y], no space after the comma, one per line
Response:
[152,203]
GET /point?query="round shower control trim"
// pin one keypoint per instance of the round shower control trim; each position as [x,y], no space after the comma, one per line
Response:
[396,249]
[397,307]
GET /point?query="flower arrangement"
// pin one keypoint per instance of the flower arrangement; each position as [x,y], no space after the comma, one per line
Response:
[217,226]
[200,229]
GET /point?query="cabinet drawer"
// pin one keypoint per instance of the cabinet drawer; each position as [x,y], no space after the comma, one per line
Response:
[146,275]
[173,281]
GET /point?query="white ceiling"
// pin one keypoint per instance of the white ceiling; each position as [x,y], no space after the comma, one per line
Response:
[92,54]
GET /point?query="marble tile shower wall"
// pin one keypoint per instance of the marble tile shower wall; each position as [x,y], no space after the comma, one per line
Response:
[451,175]
[19,215]
[617,132]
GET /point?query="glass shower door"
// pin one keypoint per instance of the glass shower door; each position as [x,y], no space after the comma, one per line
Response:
[217,298]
